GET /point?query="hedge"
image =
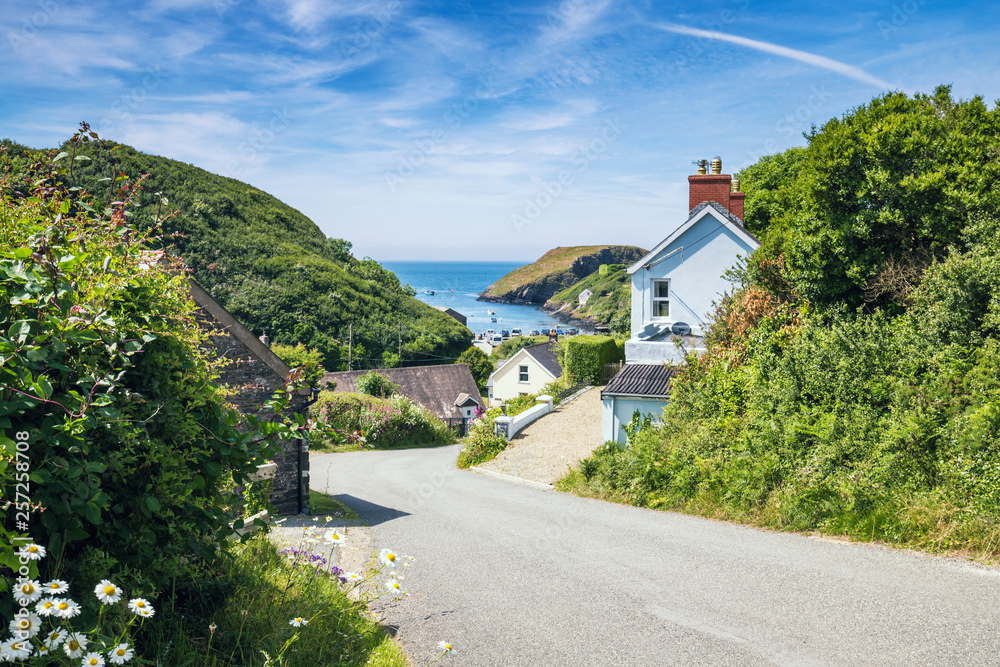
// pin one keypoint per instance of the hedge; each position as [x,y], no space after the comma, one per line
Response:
[585,356]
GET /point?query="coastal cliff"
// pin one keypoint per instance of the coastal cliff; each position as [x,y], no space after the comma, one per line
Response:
[555,271]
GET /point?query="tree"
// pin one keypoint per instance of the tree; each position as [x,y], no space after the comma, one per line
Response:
[376,384]
[479,365]
[300,356]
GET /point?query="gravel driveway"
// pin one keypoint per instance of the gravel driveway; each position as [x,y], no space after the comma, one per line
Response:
[545,450]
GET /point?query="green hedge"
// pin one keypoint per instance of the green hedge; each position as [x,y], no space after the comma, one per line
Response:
[585,356]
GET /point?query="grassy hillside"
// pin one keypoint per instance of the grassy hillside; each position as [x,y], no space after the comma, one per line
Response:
[557,270]
[270,265]
[611,298]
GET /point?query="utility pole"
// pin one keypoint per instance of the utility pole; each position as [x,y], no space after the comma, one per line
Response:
[399,347]
[350,347]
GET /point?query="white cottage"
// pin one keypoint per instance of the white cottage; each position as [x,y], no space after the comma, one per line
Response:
[673,290]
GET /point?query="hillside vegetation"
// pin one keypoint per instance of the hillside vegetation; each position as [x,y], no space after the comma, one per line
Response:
[852,380]
[610,302]
[268,264]
[555,271]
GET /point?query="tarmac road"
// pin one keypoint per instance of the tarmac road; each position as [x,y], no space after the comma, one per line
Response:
[514,574]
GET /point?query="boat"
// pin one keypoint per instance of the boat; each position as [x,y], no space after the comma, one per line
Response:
[491,312]
[429,291]
[493,319]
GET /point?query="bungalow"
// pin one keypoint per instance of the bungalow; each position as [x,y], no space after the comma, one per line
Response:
[673,290]
[585,297]
[526,372]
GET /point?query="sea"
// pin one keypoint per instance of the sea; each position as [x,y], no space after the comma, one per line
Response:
[457,285]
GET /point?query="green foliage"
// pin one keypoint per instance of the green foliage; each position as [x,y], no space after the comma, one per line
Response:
[511,346]
[606,269]
[585,357]
[300,356]
[102,373]
[481,444]
[480,365]
[381,422]
[610,301]
[376,384]
[269,265]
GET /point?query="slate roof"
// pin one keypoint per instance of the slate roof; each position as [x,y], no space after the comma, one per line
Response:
[545,354]
[464,400]
[646,380]
[434,387]
[454,313]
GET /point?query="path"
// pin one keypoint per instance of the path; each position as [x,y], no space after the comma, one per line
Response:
[514,575]
[545,450]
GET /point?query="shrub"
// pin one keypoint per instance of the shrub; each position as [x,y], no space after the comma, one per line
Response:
[585,357]
[376,384]
[382,422]
[481,444]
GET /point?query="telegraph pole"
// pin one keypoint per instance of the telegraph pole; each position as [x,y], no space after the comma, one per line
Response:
[350,347]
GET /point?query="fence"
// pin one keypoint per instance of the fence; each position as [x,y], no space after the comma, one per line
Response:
[611,370]
[458,425]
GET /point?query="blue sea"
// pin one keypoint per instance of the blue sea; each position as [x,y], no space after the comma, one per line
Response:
[457,285]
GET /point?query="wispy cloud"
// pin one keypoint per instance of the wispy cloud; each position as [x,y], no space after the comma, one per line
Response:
[802,56]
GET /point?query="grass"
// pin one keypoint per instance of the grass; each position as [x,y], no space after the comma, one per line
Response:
[554,262]
[612,295]
[320,503]
[250,597]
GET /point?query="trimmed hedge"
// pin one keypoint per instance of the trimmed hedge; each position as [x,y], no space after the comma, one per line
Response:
[585,356]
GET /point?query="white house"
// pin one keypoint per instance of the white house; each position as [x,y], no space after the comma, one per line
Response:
[526,372]
[673,290]
[585,297]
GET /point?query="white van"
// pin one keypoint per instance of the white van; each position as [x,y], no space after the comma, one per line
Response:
[495,339]
[515,332]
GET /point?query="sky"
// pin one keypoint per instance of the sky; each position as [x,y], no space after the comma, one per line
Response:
[475,130]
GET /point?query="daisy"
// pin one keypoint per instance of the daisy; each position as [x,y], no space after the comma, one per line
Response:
[56,587]
[55,638]
[298,622]
[65,608]
[445,647]
[93,660]
[389,557]
[120,654]
[352,576]
[44,650]
[32,552]
[394,586]
[27,591]
[107,592]
[26,626]
[138,606]
[45,607]
[14,649]
[75,645]
[335,537]
[329,519]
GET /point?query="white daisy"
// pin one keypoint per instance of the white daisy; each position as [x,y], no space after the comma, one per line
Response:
[45,607]
[27,591]
[298,622]
[93,659]
[107,592]
[55,638]
[120,654]
[56,587]
[445,647]
[335,536]
[329,519]
[394,586]
[65,608]
[26,625]
[138,606]
[353,576]
[389,557]
[14,649]
[44,650]
[32,552]
[75,645]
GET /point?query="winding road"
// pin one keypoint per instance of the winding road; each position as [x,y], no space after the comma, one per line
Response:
[513,574]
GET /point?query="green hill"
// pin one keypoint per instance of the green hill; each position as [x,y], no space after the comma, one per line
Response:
[270,265]
[611,297]
[556,270]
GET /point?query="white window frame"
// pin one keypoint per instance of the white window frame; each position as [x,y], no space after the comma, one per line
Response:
[522,371]
[660,299]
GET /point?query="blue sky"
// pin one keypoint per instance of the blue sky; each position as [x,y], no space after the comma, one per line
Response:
[472,130]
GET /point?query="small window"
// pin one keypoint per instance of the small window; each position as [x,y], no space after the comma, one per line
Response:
[661,298]
[522,373]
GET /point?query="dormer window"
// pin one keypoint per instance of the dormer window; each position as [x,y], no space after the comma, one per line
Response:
[661,299]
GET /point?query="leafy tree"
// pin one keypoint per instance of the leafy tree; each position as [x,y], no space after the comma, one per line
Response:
[341,250]
[376,384]
[300,356]
[479,364]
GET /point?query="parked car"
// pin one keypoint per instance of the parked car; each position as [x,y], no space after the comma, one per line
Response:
[515,332]
[505,333]
[572,332]
[489,333]
[535,332]
[496,339]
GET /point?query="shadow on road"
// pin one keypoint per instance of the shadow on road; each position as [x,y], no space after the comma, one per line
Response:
[370,513]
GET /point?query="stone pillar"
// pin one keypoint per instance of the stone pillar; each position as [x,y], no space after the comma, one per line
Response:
[502,426]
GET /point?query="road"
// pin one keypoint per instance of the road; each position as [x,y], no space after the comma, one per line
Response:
[512,574]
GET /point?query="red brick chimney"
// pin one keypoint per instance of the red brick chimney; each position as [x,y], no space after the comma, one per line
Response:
[717,187]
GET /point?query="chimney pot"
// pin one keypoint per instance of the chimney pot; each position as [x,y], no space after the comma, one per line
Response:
[717,165]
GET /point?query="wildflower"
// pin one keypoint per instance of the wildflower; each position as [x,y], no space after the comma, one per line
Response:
[56,587]
[75,645]
[298,622]
[32,552]
[93,660]
[107,592]
[55,638]
[26,626]
[137,606]
[27,591]
[329,518]
[445,647]
[14,649]
[45,607]
[315,518]
[335,537]
[394,586]
[120,654]
[44,650]
[352,576]
[211,628]
[389,557]
[65,608]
